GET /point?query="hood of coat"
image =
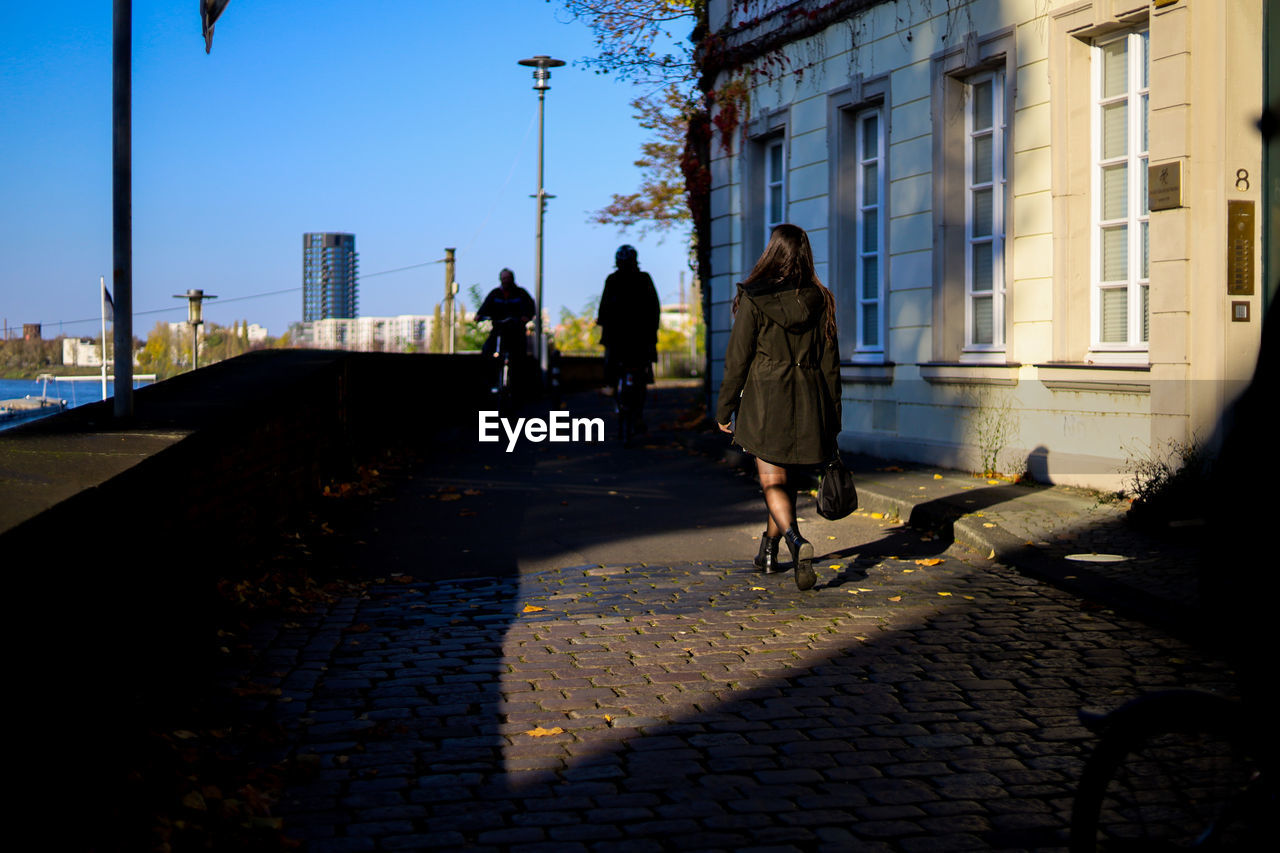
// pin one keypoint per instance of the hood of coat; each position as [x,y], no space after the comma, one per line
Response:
[794,308]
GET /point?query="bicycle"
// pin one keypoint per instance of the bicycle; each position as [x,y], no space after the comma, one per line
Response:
[628,398]
[509,334]
[553,377]
[1174,770]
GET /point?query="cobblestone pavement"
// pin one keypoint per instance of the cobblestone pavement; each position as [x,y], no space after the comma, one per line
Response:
[1040,529]
[1075,538]
[703,706]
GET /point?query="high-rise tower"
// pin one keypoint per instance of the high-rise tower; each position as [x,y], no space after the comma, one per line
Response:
[329,276]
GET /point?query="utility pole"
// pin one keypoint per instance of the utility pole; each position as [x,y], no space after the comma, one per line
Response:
[688,322]
[450,288]
[122,201]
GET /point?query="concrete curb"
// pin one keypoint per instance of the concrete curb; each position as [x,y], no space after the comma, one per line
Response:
[947,515]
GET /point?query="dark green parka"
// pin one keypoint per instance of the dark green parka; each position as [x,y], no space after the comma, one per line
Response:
[782,376]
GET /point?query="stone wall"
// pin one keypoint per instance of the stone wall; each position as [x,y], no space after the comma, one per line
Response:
[116,577]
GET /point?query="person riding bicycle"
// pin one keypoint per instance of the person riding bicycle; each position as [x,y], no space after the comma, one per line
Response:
[509,307]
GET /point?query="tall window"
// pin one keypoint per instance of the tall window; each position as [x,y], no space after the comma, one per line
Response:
[1120,278]
[869,271]
[984,212]
[764,173]
[775,195]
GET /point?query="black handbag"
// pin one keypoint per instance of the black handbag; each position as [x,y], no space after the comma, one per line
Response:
[837,496]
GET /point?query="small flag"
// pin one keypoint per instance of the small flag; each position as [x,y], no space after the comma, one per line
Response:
[108,307]
[209,12]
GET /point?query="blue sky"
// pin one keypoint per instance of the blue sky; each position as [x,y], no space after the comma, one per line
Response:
[407,123]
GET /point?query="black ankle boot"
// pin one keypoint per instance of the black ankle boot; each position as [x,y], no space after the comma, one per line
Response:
[802,556]
[767,559]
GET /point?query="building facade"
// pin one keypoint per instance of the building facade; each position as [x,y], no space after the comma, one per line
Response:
[330,276]
[81,352]
[403,333]
[1041,219]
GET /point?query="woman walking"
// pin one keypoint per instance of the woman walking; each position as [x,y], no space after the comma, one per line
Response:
[782,381]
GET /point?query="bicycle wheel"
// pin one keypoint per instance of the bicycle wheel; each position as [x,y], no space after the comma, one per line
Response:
[622,405]
[506,394]
[626,430]
[1171,771]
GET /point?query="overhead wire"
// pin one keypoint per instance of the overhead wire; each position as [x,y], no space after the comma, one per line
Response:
[498,195]
[239,298]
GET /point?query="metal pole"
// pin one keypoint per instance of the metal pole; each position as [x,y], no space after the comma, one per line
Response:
[122,201]
[542,65]
[195,347]
[539,340]
[448,296]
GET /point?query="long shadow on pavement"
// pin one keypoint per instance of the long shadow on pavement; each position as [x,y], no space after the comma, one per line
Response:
[703,707]
[574,664]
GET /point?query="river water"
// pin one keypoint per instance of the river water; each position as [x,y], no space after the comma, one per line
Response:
[75,393]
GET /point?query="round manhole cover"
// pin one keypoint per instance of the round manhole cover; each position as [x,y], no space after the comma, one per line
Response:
[1097,558]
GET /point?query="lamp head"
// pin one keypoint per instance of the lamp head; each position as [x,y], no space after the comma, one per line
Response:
[194,299]
[542,65]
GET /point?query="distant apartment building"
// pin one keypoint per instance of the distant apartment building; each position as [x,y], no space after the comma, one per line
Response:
[182,329]
[403,333]
[81,352]
[87,352]
[679,317]
[253,332]
[329,276]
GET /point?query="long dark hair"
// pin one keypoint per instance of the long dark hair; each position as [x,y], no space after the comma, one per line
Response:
[789,258]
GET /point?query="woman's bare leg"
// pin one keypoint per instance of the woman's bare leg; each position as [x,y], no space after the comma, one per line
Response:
[779,497]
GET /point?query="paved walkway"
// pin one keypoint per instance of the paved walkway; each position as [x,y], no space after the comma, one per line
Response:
[1074,538]
[702,707]
[922,697]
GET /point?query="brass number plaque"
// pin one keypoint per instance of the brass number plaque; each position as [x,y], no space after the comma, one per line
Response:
[1240,248]
[1164,186]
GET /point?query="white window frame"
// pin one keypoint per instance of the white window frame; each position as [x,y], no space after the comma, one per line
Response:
[1135,346]
[997,186]
[772,216]
[863,159]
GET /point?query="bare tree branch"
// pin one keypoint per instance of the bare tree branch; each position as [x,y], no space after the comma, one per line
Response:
[630,34]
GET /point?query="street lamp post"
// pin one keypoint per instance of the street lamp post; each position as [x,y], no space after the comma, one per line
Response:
[195,319]
[542,66]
